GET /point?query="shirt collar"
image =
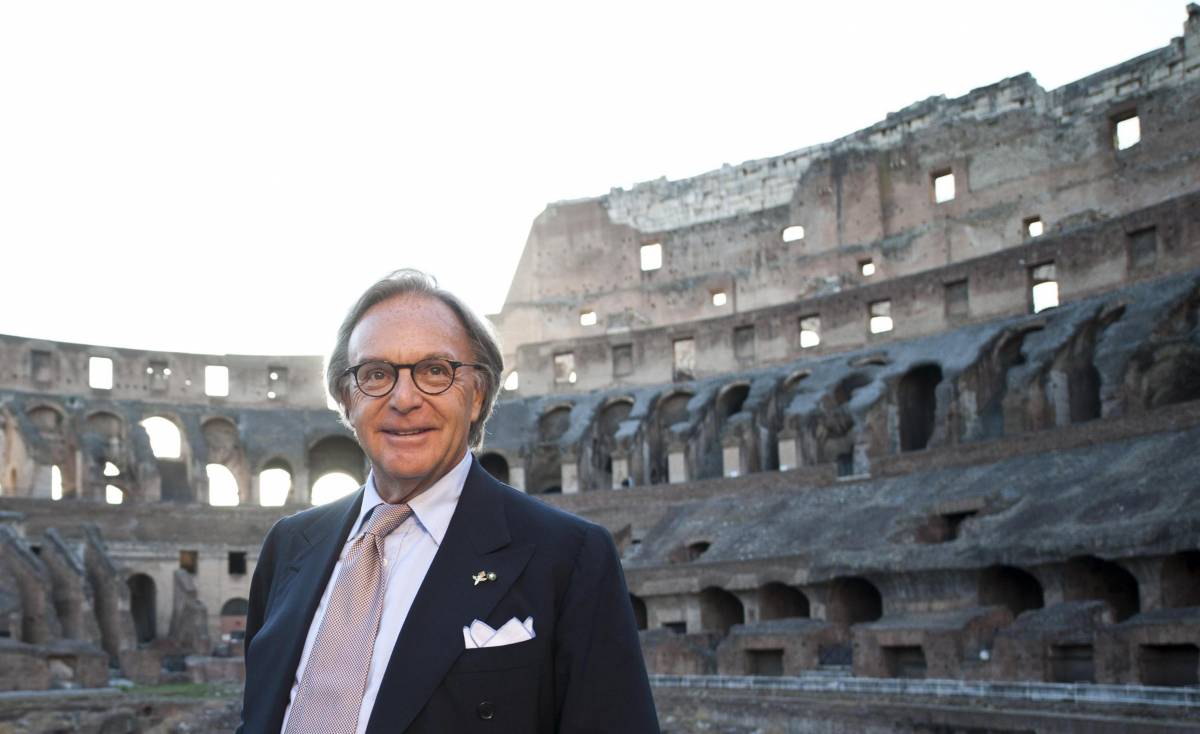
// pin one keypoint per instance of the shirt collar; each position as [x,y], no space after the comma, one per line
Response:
[433,508]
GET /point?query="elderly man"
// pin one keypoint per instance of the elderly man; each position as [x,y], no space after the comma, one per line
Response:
[435,599]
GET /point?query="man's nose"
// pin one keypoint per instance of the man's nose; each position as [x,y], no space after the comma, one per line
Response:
[405,396]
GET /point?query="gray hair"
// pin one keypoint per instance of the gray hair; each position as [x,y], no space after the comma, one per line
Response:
[484,344]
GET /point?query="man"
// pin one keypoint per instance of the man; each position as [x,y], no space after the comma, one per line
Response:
[435,599]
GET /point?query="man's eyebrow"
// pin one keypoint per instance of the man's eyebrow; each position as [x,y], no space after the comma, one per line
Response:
[429,355]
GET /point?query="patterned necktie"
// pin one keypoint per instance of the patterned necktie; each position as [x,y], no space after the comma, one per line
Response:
[335,677]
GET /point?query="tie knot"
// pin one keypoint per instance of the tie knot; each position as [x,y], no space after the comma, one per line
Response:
[385,518]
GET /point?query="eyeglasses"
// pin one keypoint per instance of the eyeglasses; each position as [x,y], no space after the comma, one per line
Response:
[431,376]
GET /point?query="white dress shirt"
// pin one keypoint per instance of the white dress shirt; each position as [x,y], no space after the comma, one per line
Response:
[408,553]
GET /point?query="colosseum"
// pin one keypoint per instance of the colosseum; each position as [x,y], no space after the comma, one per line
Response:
[895,433]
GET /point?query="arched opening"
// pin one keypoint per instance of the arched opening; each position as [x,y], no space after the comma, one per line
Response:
[546,461]
[1083,393]
[670,410]
[233,618]
[852,600]
[554,423]
[1089,577]
[222,486]
[1170,374]
[1011,587]
[274,483]
[720,610]
[223,447]
[166,442]
[56,483]
[496,465]
[142,603]
[917,398]
[731,401]
[110,429]
[780,601]
[167,445]
[338,454]
[1181,580]
[47,420]
[639,611]
[605,442]
[333,486]
[113,494]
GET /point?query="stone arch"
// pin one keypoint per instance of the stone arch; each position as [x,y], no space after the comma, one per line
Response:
[730,400]
[671,408]
[1167,374]
[336,453]
[223,447]
[233,615]
[1010,587]
[779,601]
[495,464]
[275,482]
[143,604]
[852,600]
[916,398]
[172,455]
[1089,577]
[720,610]
[545,475]
[608,422]
[48,419]
[1181,579]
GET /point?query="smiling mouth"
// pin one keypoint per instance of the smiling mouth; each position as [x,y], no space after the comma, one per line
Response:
[406,433]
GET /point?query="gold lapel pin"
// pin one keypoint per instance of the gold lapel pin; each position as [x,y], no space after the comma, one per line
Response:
[482,576]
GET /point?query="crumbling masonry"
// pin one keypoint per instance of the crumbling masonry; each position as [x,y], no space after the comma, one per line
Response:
[922,402]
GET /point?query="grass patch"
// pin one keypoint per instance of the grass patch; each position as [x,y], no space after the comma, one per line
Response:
[187,690]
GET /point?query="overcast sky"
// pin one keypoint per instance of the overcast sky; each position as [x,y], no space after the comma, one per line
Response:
[225,177]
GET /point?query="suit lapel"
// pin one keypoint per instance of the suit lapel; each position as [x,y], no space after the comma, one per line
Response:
[477,539]
[318,546]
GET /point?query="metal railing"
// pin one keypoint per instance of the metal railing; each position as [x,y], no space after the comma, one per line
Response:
[1089,693]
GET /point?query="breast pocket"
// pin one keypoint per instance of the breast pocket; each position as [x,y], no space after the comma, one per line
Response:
[495,689]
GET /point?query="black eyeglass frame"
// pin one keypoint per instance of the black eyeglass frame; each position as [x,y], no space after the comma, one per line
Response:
[396,367]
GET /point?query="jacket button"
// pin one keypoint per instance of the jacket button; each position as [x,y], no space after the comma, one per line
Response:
[485,710]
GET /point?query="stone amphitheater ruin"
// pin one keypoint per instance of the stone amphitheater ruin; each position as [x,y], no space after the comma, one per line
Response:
[895,433]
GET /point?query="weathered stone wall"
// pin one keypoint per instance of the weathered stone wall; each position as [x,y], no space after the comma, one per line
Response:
[1016,151]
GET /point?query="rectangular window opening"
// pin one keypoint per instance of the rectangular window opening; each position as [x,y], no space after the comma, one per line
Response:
[622,356]
[216,381]
[100,373]
[881,317]
[1143,248]
[1043,290]
[1127,130]
[764,662]
[810,331]
[237,563]
[684,360]
[957,300]
[743,342]
[1034,227]
[652,256]
[564,369]
[587,318]
[793,233]
[866,267]
[41,366]
[943,186]
[719,298]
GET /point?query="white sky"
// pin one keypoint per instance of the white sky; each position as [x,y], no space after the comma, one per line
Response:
[226,177]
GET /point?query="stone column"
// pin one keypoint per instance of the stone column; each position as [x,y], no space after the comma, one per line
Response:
[677,466]
[516,477]
[733,463]
[789,455]
[570,473]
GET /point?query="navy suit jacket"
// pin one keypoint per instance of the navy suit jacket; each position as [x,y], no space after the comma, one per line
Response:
[582,672]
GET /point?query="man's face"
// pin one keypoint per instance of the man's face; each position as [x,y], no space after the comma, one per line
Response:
[412,439]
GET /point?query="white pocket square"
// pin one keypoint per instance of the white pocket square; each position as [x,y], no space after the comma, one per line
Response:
[478,634]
